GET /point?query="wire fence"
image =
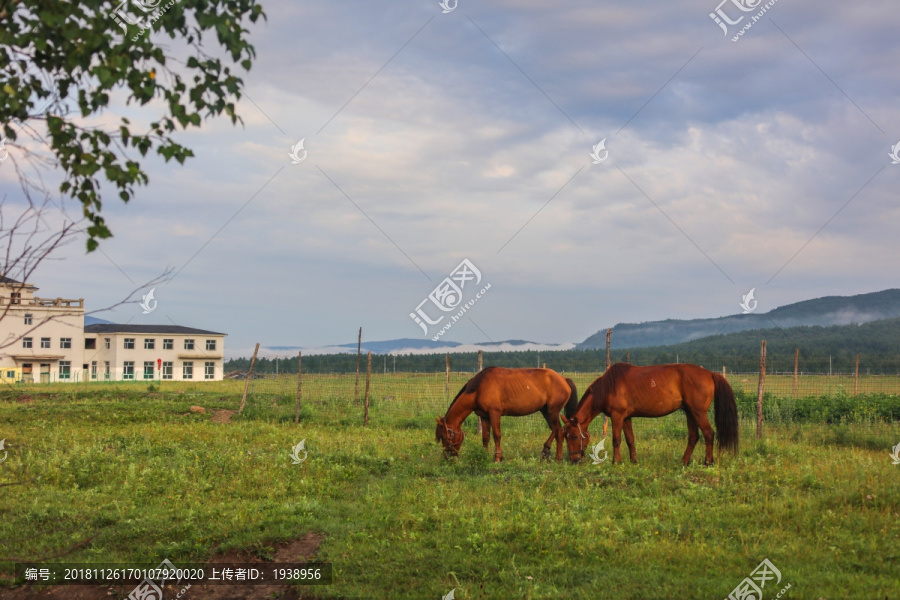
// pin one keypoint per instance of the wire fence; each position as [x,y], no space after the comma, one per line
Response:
[414,399]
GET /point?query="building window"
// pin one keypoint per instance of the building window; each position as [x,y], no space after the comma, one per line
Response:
[129,343]
[65,369]
[10,374]
[26,342]
[210,344]
[15,298]
[128,370]
[187,371]
[188,344]
[167,370]
[209,370]
[148,369]
[65,342]
[149,343]
[90,343]
[45,342]
[94,369]
[168,344]
[105,369]
[106,342]
[28,319]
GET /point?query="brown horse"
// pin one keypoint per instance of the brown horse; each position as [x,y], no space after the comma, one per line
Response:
[626,391]
[495,392]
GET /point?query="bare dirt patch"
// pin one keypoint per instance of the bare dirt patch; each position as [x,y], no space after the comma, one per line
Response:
[222,416]
[299,550]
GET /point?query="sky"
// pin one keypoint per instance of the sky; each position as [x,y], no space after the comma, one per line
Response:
[433,137]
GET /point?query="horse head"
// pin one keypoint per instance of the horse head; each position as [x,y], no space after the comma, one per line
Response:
[577,438]
[451,438]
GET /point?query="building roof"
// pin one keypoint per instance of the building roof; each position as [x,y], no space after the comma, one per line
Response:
[10,281]
[173,329]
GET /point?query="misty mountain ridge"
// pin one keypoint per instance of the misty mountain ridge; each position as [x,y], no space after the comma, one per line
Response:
[827,311]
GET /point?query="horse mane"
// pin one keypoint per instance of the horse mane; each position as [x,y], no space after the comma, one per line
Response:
[607,383]
[471,386]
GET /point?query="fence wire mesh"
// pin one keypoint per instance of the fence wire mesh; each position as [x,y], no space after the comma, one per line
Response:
[414,399]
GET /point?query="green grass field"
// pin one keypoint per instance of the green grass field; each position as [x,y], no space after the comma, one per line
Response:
[151,480]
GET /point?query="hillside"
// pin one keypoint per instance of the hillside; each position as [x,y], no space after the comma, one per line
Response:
[877,343]
[825,312]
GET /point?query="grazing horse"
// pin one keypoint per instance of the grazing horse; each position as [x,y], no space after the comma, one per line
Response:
[626,391]
[495,392]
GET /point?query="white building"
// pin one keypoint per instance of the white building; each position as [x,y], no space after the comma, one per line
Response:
[45,339]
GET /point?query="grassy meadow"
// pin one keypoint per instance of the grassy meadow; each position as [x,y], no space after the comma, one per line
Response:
[148,479]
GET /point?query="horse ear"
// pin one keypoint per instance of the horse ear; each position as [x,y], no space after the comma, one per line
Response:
[565,420]
[438,419]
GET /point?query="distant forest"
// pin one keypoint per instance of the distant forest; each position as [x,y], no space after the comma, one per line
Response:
[877,343]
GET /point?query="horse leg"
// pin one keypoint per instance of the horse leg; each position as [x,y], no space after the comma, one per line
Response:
[693,436]
[549,443]
[495,426]
[485,432]
[617,422]
[629,439]
[708,435]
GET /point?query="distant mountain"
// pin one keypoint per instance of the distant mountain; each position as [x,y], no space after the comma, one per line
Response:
[400,346]
[96,321]
[821,349]
[385,346]
[825,312]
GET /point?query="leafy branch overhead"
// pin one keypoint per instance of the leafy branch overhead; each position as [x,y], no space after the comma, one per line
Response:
[61,61]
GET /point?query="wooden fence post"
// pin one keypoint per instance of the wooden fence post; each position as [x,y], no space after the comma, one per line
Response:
[368,376]
[447,384]
[723,370]
[796,369]
[358,349]
[249,375]
[856,378]
[628,356]
[608,335]
[762,384]
[299,385]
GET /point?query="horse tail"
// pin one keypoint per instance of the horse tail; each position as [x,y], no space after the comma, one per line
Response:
[572,404]
[725,414]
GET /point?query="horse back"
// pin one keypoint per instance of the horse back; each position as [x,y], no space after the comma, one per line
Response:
[518,392]
[658,390]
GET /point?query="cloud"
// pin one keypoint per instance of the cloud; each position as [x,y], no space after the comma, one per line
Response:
[434,138]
